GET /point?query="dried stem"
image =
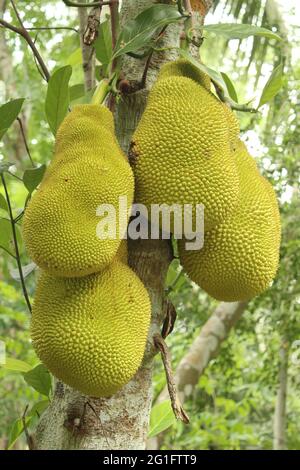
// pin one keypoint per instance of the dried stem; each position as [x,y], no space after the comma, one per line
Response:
[175,402]
[14,233]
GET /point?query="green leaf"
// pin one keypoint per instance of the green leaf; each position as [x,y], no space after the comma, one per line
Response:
[162,417]
[57,99]
[8,113]
[75,58]
[18,426]
[172,272]
[137,33]
[39,379]
[240,31]
[38,408]
[32,177]
[5,233]
[230,87]
[15,365]
[16,430]
[3,203]
[213,74]
[76,91]
[273,85]
[103,43]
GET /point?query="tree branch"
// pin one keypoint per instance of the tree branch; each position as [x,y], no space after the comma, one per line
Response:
[166,358]
[47,28]
[86,5]
[25,141]
[206,346]
[24,33]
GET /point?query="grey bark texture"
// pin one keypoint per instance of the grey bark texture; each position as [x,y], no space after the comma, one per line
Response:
[88,56]
[279,441]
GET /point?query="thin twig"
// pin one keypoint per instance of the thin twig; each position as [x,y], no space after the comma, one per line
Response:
[14,233]
[99,419]
[19,217]
[25,140]
[29,438]
[175,402]
[14,176]
[7,251]
[68,3]
[47,28]
[22,31]
[148,61]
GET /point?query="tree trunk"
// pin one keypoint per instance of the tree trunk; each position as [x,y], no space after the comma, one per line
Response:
[73,421]
[204,348]
[88,58]
[280,406]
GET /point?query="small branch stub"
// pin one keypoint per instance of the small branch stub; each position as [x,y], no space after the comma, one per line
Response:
[175,402]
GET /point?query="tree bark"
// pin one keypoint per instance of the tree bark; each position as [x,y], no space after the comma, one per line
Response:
[280,406]
[73,421]
[88,59]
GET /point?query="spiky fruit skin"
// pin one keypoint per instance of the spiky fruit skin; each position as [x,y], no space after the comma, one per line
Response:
[88,169]
[181,152]
[233,125]
[184,68]
[91,332]
[239,258]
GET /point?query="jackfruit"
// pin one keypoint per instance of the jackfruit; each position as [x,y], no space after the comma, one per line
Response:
[88,170]
[239,258]
[91,332]
[233,125]
[184,68]
[181,153]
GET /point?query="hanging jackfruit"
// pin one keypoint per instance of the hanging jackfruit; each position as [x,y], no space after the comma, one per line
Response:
[91,332]
[184,68]
[181,152]
[88,170]
[233,125]
[239,258]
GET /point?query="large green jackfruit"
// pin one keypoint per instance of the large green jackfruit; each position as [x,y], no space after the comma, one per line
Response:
[87,170]
[181,152]
[184,68]
[91,332]
[239,258]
